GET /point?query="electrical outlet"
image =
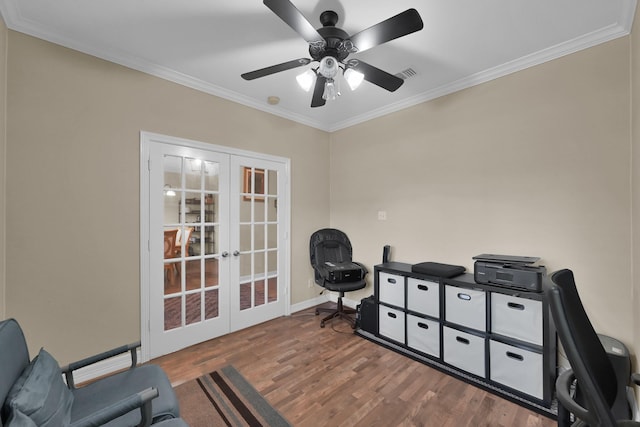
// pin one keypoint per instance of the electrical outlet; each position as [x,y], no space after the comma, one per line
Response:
[310,283]
[382,215]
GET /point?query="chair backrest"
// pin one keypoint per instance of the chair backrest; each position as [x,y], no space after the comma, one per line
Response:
[170,238]
[14,357]
[329,245]
[187,240]
[588,358]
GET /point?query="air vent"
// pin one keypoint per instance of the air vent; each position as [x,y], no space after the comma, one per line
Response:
[405,74]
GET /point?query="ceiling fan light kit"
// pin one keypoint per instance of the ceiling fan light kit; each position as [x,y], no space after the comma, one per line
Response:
[330,46]
[331,90]
[328,67]
[306,80]
[353,78]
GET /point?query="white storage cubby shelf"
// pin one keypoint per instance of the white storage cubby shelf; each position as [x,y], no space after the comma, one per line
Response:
[500,339]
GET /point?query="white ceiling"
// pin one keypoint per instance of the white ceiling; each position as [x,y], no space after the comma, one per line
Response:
[207,44]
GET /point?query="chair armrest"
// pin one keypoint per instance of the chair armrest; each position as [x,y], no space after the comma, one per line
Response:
[68,369]
[635,378]
[563,393]
[140,400]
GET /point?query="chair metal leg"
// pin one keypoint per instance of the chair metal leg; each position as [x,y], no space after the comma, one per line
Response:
[340,311]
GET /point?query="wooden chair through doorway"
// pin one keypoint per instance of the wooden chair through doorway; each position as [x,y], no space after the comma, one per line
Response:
[187,241]
[170,238]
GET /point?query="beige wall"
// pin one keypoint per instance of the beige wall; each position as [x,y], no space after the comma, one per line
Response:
[3,157]
[536,163]
[73,188]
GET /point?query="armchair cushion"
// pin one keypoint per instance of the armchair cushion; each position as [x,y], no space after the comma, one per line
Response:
[92,397]
[40,397]
[13,360]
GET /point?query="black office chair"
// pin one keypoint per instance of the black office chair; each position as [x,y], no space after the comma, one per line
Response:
[591,367]
[330,252]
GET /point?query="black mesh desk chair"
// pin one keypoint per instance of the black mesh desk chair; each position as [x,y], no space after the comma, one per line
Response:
[330,249]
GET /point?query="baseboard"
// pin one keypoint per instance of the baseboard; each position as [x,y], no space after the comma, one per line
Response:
[326,296]
[104,367]
[333,297]
[320,299]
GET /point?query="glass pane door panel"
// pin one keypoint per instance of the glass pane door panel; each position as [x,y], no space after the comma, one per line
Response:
[272,177]
[272,262]
[245,267]
[193,308]
[272,289]
[245,238]
[193,173]
[258,237]
[258,210]
[259,292]
[173,313]
[192,275]
[208,240]
[258,265]
[211,176]
[272,236]
[210,208]
[245,296]
[172,282]
[245,209]
[211,272]
[272,209]
[211,304]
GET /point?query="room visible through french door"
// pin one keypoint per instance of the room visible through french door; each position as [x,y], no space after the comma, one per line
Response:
[213,241]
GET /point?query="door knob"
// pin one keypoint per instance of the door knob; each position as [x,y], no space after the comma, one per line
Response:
[236,252]
[225,254]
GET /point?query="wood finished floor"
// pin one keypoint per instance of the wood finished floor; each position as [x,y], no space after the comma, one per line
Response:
[331,377]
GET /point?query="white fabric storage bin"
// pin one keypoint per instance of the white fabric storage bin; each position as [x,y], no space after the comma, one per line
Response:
[466,307]
[391,289]
[516,317]
[464,351]
[517,368]
[391,323]
[423,335]
[423,296]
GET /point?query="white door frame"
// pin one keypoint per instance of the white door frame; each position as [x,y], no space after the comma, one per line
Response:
[146,139]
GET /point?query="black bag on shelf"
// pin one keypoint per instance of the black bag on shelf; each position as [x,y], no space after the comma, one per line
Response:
[437,269]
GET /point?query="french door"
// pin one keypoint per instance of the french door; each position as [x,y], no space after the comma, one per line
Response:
[217,250]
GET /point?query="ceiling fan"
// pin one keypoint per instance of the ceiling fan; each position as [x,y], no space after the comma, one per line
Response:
[331,46]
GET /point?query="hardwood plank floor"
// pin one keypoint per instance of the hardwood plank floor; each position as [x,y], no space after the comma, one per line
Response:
[331,377]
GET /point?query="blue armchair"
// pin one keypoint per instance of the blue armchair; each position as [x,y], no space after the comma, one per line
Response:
[33,392]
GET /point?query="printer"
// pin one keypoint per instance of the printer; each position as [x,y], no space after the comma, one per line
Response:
[515,272]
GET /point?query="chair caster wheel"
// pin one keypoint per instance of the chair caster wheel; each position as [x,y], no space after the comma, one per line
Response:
[322,324]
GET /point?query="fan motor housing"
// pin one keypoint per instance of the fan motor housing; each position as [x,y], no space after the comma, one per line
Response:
[333,37]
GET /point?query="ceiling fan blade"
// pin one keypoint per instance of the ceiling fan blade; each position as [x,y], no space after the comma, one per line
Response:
[295,19]
[275,68]
[400,25]
[377,76]
[317,100]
